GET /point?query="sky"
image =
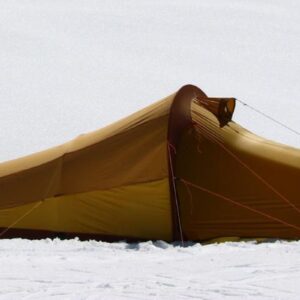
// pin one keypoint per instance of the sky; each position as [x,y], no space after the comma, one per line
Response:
[69,67]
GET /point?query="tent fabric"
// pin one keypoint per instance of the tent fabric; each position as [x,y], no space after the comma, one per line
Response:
[130,151]
[126,211]
[127,180]
[204,162]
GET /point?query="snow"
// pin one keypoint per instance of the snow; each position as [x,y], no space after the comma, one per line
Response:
[68,67]
[70,269]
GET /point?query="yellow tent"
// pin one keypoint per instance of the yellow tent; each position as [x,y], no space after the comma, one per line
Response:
[178,169]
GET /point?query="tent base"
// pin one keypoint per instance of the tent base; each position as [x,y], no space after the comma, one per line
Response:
[33,234]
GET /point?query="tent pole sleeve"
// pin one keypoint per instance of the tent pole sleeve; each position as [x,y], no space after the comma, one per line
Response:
[179,121]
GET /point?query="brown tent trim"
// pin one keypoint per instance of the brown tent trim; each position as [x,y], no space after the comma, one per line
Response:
[179,120]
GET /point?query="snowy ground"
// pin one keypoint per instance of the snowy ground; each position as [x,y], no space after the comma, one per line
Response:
[95,270]
[68,67]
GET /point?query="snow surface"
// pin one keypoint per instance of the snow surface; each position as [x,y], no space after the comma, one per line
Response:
[54,269]
[68,67]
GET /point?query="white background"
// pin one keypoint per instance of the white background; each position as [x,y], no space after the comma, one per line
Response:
[68,67]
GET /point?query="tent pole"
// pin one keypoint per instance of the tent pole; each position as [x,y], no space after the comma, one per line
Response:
[175,194]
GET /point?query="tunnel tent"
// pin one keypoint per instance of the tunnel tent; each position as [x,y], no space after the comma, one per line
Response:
[180,169]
